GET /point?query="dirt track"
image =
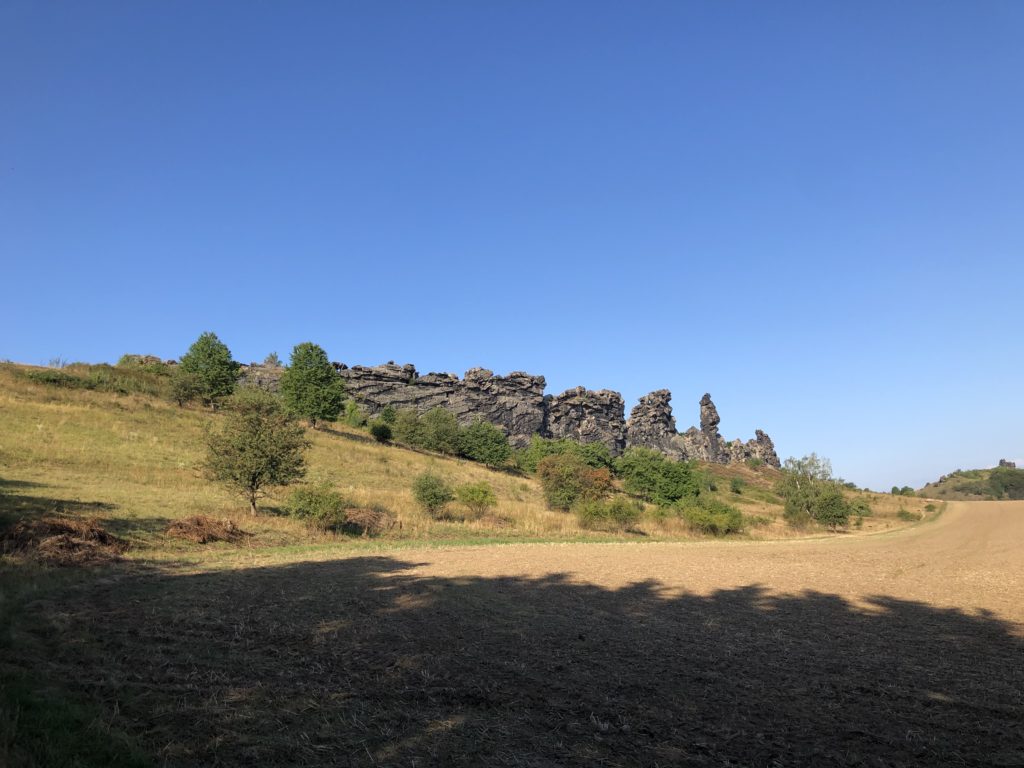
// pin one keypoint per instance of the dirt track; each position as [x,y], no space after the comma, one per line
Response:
[903,649]
[971,557]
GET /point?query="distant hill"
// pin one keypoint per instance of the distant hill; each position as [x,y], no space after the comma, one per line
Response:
[1002,482]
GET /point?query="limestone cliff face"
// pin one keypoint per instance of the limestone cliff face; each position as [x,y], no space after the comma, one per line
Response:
[518,405]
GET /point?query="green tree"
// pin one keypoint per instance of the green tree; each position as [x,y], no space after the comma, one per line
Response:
[214,374]
[258,446]
[380,430]
[811,494]
[594,454]
[310,386]
[484,442]
[654,477]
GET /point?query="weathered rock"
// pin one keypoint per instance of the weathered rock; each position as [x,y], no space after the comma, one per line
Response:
[266,377]
[518,405]
[652,425]
[588,417]
[1007,463]
[514,402]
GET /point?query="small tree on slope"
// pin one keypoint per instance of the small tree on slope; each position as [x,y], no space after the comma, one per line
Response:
[310,386]
[208,369]
[257,446]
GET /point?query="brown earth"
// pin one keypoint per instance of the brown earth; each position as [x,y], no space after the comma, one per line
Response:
[900,649]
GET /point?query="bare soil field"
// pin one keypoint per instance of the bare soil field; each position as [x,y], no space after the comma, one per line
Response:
[897,649]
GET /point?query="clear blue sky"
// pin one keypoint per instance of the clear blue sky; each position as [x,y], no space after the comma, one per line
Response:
[814,210]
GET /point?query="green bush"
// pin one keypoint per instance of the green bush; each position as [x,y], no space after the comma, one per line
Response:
[380,430]
[484,442]
[432,493]
[388,414]
[831,509]
[736,485]
[567,478]
[1007,481]
[653,477]
[354,415]
[595,455]
[406,427]
[615,514]
[710,516]
[439,431]
[319,506]
[860,507]
[477,497]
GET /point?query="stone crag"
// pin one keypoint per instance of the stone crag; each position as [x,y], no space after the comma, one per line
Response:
[518,405]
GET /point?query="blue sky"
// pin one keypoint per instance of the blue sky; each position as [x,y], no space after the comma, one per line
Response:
[814,211]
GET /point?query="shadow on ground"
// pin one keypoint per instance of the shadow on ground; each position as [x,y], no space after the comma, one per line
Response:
[366,661]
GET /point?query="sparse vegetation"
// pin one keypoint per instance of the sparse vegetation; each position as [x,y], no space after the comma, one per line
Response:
[615,514]
[258,446]
[478,498]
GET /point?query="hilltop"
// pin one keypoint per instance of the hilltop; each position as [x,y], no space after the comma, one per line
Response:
[1004,481]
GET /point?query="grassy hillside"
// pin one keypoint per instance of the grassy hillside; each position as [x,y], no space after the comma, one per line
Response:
[118,452]
[977,485]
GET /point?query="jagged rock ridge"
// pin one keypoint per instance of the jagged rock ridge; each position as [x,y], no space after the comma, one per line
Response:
[518,405]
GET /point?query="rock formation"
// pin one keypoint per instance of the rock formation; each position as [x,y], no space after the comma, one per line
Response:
[652,425]
[518,405]
[587,417]
[1007,463]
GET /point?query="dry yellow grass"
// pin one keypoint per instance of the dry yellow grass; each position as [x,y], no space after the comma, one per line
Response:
[132,460]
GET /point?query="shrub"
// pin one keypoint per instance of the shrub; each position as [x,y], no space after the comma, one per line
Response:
[1007,481]
[209,361]
[860,507]
[185,387]
[257,446]
[710,516]
[439,431]
[754,462]
[909,517]
[368,521]
[484,442]
[407,428]
[388,414]
[380,430]
[831,509]
[736,485]
[567,478]
[595,455]
[478,497]
[615,514]
[272,360]
[354,415]
[653,477]
[310,386]
[432,493]
[320,506]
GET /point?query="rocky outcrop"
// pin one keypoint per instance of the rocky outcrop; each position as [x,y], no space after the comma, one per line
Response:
[587,417]
[652,425]
[518,405]
[514,402]
[1007,463]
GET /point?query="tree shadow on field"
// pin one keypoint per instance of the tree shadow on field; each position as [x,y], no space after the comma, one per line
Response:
[369,661]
